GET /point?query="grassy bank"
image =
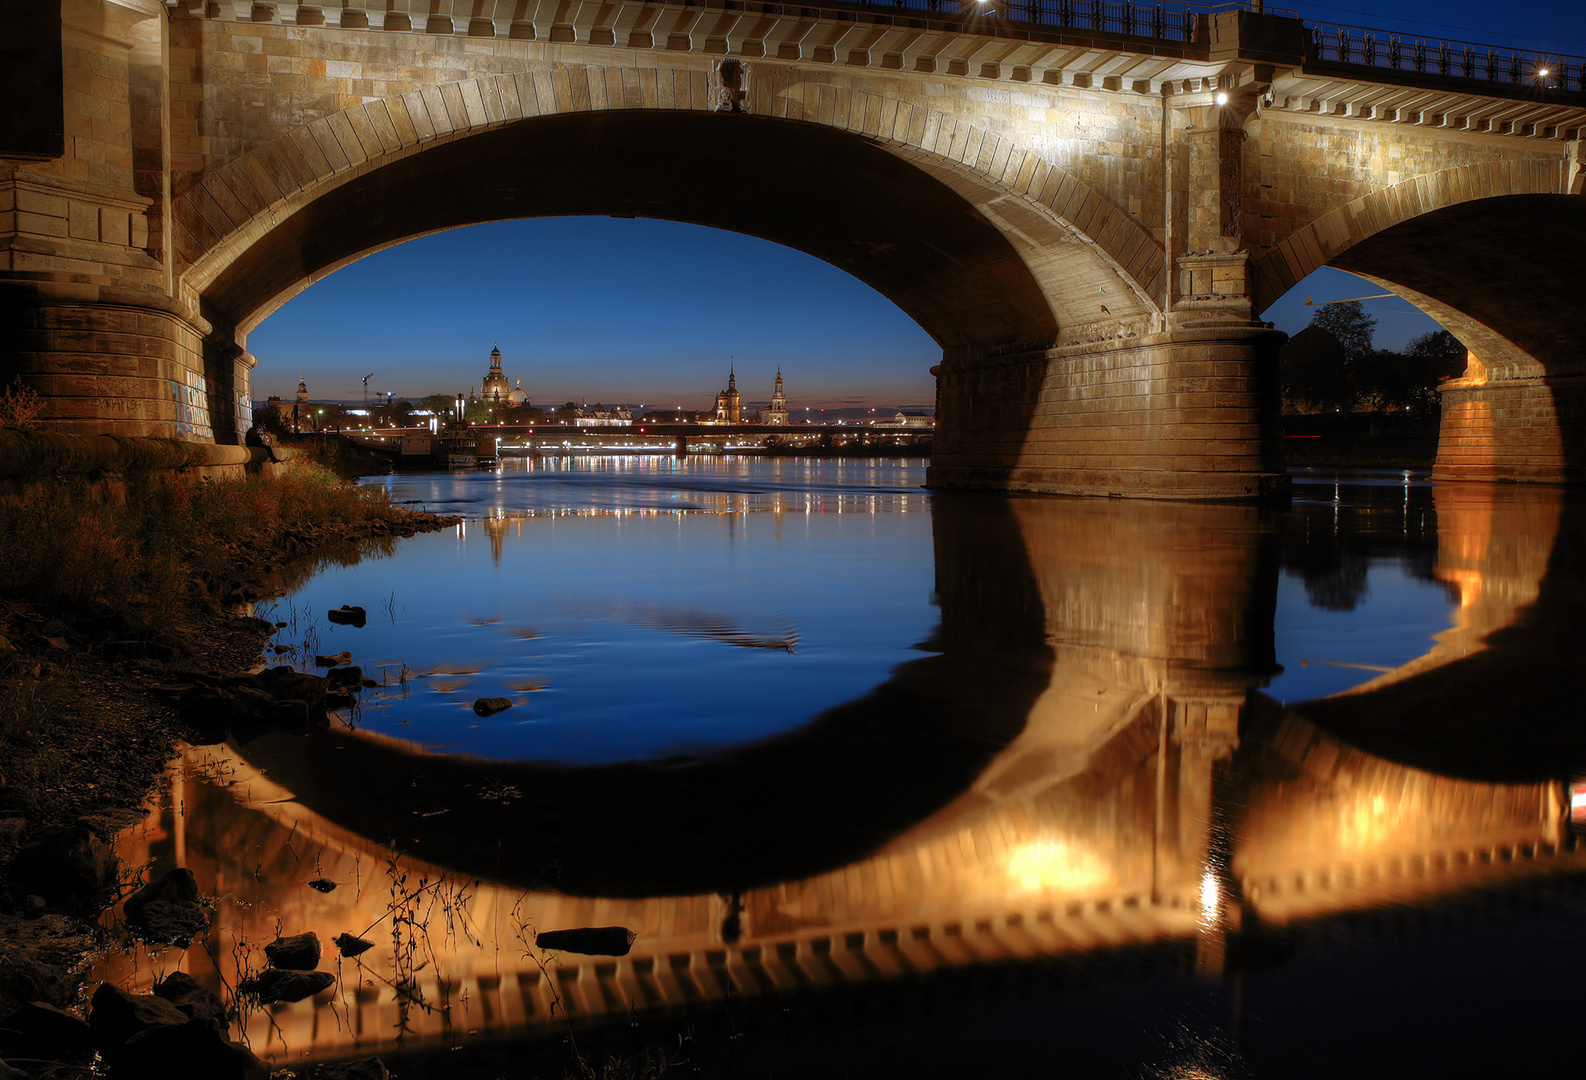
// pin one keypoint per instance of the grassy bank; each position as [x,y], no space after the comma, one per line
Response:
[103,583]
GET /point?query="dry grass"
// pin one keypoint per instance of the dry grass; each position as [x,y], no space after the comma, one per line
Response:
[148,551]
[19,406]
[90,568]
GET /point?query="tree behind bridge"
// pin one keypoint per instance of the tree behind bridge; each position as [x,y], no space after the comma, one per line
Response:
[1330,366]
[1324,368]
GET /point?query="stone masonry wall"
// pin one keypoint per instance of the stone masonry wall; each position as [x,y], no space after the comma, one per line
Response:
[237,86]
[1302,168]
[79,218]
[123,370]
[1528,431]
[1158,416]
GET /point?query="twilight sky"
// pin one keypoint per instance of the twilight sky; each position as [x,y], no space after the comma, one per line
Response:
[604,309]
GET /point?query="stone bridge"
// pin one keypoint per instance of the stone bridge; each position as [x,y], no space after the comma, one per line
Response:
[1088,212]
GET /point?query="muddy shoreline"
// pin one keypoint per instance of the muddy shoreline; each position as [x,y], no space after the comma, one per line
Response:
[109,725]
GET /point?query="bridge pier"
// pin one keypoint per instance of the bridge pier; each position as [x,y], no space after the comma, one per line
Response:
[1190,414]
[133,365]
[1526,430]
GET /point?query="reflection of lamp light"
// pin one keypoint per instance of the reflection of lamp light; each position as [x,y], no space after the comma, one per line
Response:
[1210,898]
[1055,864]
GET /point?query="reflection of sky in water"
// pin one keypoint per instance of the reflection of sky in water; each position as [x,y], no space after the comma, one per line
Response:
[668,622]
[644,607]
[1378,606]
[1326,652]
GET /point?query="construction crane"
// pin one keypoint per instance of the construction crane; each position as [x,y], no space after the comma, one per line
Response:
[366,379]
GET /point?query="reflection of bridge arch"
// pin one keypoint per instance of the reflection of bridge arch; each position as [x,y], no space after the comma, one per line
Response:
[1107,859]
[1140,796]
[1485,701]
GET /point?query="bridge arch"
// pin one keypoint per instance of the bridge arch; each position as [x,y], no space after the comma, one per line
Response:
[1014,248]
[1491,251]
[1325,239]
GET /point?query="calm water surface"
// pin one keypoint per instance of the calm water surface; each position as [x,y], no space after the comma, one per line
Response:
[888,782]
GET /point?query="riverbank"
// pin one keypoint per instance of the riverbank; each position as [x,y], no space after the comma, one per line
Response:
[114,586]
[1360,440]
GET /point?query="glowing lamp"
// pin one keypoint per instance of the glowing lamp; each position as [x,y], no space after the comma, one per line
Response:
[1222,98]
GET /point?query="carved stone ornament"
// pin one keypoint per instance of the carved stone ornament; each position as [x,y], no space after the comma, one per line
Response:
[732,86]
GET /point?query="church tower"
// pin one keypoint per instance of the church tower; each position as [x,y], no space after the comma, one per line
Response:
[777,412]
[729,402]
[496,387]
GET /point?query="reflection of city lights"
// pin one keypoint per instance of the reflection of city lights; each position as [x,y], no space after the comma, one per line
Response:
[1055,864]
[1210,897]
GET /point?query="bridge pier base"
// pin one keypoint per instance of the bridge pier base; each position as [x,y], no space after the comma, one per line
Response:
[1191,414]
[1527,430]
[124,365]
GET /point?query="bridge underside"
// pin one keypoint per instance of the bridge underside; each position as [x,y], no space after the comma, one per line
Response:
[851,204]
[1502,275]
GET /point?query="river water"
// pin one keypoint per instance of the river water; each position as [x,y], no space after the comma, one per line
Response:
[888,782]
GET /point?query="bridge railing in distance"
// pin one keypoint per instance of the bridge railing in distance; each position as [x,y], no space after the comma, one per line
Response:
[1360,47]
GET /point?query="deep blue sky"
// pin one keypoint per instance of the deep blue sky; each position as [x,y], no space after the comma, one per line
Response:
[603,309]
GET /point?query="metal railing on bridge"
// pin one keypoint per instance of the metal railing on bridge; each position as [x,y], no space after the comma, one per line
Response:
[1360,47]
[1183,23]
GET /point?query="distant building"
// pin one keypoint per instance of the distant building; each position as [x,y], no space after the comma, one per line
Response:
[906,418]
[776,412]
[598,415]
[729,403]
[496,388]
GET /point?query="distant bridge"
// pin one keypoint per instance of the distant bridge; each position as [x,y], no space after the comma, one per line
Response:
[1087,204]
